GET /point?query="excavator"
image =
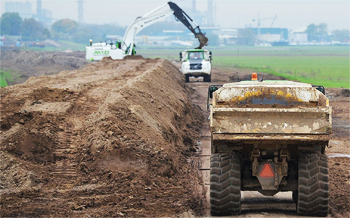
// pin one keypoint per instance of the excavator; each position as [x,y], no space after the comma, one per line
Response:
[120,49]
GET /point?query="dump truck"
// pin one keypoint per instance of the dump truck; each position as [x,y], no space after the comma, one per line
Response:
[269,136]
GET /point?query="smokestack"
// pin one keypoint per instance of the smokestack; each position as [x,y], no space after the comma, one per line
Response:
[38,10]
[80,11]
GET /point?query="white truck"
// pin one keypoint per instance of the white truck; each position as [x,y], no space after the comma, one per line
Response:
[97,51]
[196,63]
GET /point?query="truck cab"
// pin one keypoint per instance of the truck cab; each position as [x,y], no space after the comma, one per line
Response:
[196,63]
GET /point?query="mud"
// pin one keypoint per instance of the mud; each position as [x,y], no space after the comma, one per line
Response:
[339,186]
[118,138]
[112,139]
[25,64]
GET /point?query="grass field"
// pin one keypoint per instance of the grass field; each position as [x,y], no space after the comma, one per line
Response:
[5,77]
[321,65]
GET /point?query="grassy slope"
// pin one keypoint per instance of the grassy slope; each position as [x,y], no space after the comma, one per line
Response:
[5,76]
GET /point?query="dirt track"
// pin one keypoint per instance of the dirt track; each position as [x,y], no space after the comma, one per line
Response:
[119,138]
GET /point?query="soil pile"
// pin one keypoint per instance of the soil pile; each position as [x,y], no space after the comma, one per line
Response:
[112,139]
[24,64]
[339,186]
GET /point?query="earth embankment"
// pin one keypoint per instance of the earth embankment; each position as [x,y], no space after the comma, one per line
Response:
[112,139]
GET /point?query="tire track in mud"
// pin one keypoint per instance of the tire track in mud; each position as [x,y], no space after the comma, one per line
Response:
[65,153]
[111,139]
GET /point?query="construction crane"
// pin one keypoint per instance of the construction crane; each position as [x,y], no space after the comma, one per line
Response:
[258,20]
[268,33]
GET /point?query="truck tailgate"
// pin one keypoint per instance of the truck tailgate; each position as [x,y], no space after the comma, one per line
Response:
[228,120]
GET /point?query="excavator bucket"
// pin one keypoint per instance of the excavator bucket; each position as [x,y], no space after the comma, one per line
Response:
[203,40]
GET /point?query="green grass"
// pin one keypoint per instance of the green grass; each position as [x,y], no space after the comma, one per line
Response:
[5,77]
[65,45]
[72,46]
[329,71]
[320,65]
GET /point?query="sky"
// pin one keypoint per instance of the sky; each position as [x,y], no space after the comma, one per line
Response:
[291,14]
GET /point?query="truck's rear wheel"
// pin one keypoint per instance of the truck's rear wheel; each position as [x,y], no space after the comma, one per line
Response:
[187,78]
[313,185]
[207,78]
[225,184]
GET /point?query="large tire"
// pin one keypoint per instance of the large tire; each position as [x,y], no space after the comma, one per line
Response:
[225,184]
[313,185]
[187,78]
[207,78]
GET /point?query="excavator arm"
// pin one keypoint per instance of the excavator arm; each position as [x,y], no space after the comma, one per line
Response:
[157,15]
[96,51]
[184,18]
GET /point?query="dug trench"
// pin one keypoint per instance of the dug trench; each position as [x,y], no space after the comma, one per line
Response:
[116,138]
[129,139]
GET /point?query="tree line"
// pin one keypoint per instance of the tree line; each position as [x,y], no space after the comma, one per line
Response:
[66,29]
[31,30]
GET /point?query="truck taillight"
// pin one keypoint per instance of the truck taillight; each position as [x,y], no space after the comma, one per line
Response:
[254,76]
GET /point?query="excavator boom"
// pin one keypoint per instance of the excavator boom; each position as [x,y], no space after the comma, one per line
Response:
[96,51]
[184,18]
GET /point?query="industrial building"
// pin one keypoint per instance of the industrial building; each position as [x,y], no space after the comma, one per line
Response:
[25,11]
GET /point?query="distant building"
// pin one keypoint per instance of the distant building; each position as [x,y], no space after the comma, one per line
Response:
[298,36]
[46,16]
[24,9]
[42,15]
[271,34]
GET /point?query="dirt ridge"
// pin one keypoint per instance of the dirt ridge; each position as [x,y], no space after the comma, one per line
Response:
[112,139]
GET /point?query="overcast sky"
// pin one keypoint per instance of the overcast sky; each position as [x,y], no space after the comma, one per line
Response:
[291,14]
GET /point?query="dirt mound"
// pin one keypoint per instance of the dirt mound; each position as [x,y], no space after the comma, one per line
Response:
[339,186]
[112,139]
[25,64]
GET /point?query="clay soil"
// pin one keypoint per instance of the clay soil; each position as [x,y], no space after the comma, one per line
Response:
[25,64]
[112,139]
[118,138]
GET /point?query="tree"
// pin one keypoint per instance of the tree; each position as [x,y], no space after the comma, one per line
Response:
[311,32]
[341,35]
[213,39]
[11,24]
[96,32]
[246,37]
[317,32]
[65,26]
[33,30]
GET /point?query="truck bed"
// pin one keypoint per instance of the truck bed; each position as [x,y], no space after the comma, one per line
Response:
[271,111]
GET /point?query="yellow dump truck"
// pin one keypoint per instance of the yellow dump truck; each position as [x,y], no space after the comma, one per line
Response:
[269,136]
